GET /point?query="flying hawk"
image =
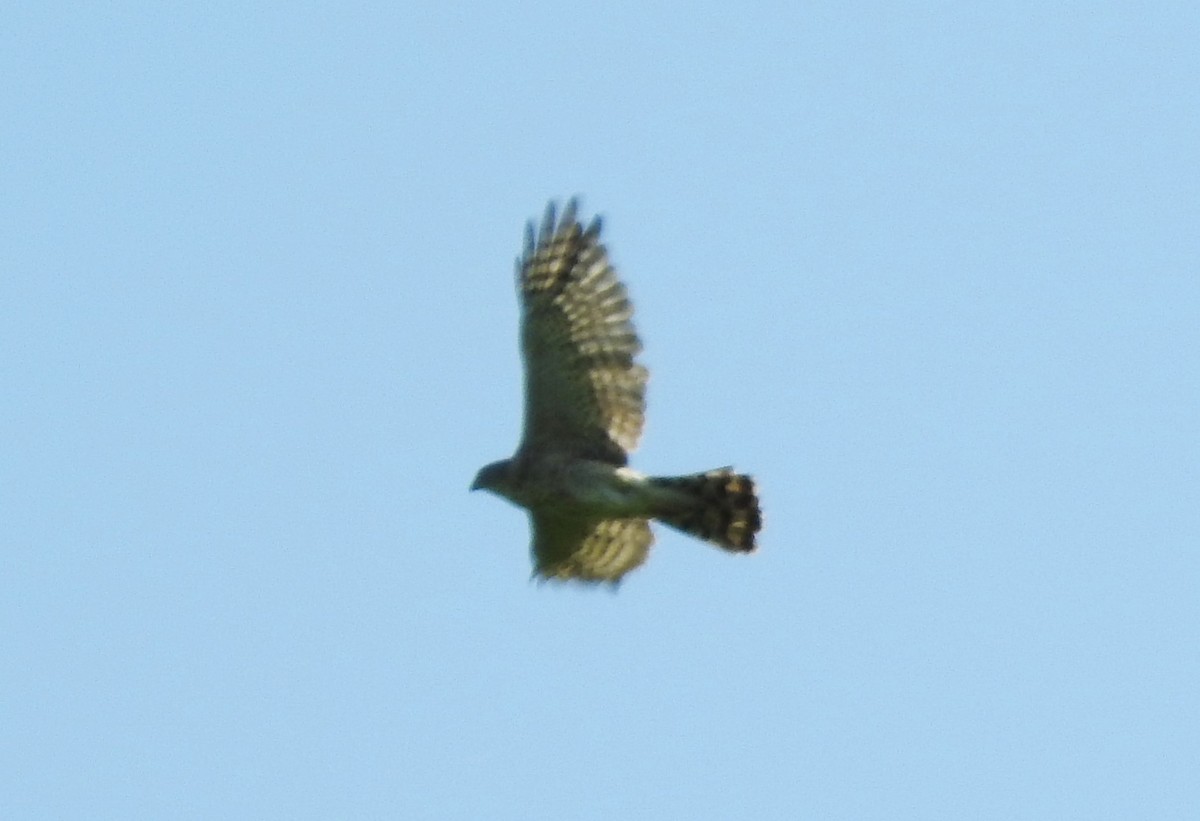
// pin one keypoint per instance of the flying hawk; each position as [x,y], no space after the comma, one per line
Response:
[584,411]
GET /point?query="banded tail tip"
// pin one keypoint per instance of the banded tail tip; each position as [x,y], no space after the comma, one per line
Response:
[722,508]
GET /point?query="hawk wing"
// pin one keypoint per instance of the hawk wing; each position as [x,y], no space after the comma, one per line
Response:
[584,394]
[566,547]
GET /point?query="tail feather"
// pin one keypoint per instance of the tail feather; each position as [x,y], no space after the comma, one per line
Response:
[719,506]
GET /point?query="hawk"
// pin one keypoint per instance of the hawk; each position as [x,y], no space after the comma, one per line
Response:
[584,410]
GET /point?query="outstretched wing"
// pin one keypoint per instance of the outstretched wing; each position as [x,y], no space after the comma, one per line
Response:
[566,547]
[584,393]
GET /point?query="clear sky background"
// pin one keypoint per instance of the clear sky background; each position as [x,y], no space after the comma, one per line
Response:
[929,271]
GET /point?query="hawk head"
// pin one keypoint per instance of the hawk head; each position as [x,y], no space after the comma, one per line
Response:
[496,477]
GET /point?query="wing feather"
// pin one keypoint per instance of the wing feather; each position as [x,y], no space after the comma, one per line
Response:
[584,392]
[590,550]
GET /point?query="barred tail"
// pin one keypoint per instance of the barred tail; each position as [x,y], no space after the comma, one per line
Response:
[719,506]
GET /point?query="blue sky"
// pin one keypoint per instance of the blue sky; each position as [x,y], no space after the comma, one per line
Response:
[929,271]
